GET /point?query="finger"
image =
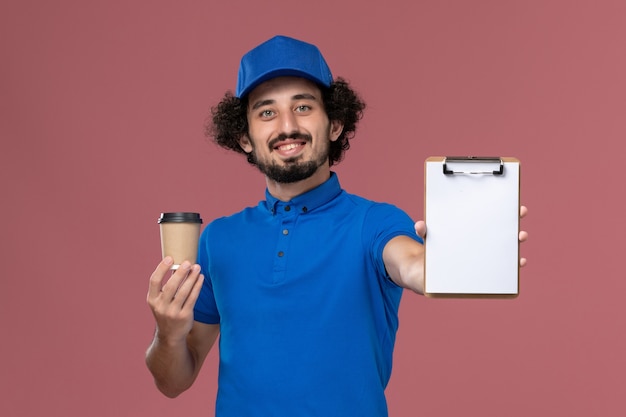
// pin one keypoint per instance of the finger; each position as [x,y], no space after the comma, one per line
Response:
[157,277]
[523,236]
[185,288]
[523,262]
[190,301]
[420,228]
[171,286]
[523,211]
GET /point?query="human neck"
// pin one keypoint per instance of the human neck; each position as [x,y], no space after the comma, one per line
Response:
[287,191]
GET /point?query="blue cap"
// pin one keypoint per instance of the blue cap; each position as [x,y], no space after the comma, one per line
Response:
[278,57]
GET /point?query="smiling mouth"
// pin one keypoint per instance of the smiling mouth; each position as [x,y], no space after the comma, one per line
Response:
[289,146]
[289,143]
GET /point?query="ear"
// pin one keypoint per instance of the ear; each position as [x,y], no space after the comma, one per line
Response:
[336,127]
[245,143]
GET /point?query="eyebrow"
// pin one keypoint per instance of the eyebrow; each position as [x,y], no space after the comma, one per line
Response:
[302,96]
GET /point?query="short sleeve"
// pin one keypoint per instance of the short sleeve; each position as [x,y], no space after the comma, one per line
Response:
[205,310]
[382,223]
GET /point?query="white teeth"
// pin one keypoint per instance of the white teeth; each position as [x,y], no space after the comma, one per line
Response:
[288,147]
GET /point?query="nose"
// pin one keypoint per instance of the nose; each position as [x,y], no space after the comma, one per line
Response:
[288,122]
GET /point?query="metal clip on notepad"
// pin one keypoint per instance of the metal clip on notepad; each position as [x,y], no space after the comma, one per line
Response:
[473,161]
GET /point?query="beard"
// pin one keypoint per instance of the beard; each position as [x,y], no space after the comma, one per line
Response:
[294,169]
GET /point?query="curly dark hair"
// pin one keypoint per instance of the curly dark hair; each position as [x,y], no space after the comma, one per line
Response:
[229,122]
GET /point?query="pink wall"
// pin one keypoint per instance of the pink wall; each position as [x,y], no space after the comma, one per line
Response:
[102,107]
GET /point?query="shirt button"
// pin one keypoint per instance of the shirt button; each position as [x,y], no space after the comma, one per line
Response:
[287,208]
[281,253]
[304,209]
[285,232]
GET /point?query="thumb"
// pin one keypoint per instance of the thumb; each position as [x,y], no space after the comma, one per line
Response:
[420,228]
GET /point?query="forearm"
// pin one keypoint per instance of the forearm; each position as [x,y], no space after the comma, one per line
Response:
[404,260]
[172,364]
[411,276]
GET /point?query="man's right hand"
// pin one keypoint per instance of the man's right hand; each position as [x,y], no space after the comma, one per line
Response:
[180,344]
[172,300]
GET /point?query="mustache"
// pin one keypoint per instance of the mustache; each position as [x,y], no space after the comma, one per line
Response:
[293,135]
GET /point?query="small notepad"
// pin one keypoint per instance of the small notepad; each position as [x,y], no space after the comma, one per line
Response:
[472,209]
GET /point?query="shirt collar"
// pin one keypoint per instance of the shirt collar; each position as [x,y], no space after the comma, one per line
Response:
[308,201]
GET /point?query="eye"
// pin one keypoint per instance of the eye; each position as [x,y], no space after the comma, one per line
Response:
[303,108]
[266,113]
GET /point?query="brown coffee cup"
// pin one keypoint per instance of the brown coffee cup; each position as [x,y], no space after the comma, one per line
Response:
[180,232]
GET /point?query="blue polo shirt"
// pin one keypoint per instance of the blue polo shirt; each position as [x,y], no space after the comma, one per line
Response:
[307,313]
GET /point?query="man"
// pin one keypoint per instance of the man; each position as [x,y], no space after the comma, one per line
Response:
[304,288]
